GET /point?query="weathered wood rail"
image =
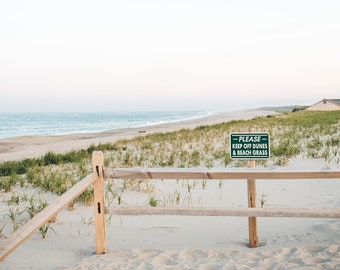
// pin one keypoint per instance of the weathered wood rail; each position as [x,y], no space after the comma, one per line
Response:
[216,174]
[250,175]
[99,173]
[226,211]
[21,235]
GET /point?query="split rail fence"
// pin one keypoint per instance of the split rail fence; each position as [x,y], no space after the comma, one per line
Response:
[99,173]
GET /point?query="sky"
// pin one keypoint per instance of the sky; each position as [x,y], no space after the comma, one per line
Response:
[82,55]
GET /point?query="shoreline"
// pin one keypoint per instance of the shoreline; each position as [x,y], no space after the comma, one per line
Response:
[35,146]
[55,124]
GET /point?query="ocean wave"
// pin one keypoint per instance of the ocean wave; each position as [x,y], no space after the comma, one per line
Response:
[47,124]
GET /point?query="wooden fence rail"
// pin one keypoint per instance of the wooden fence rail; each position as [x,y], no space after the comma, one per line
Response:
[226,211]
[44,216]
[97,179]
[216,174]
[251,175]
[21,235]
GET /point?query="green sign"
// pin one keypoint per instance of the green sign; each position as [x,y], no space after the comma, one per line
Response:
[249,146]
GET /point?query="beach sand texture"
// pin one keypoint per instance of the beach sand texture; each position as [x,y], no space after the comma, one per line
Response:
[185,242]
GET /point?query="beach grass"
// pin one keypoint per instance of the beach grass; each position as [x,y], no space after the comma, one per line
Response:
[308,133]
[304,134]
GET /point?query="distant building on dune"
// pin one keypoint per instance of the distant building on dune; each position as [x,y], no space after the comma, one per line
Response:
[325,105]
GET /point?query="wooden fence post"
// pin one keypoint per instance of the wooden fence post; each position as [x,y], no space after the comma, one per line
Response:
[99,202]
[252,221]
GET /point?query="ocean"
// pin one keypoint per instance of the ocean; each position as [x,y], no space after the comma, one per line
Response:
[59,123]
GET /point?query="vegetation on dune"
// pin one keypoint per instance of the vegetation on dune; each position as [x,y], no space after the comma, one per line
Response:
[306,134]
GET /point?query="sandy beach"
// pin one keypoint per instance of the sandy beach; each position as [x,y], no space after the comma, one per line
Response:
[35,146]
[184,242]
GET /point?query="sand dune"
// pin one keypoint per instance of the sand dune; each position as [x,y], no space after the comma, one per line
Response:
[172,242]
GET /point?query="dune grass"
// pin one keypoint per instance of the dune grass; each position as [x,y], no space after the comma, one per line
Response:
[311,134]
[305,134]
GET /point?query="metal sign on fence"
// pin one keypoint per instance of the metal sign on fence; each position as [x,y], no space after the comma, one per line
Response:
[249,146]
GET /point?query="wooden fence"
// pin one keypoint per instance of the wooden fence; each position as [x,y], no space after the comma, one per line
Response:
[99,173]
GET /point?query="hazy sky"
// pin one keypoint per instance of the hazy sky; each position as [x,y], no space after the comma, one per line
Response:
[223,55]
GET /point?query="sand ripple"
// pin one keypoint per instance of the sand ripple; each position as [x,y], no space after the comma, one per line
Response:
[313,257]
